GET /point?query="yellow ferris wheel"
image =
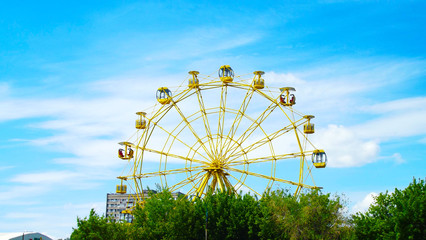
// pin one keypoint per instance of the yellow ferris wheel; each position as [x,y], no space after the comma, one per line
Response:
[228,133]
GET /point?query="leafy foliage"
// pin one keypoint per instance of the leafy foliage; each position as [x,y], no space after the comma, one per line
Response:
[400,215]
[278,215]
[163,217]
[98,228]
[311,216]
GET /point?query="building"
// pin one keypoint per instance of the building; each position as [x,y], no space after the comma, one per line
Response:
[24,236]
[116,203]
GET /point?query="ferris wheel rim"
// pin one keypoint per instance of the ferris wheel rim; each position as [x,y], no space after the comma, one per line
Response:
[184,94]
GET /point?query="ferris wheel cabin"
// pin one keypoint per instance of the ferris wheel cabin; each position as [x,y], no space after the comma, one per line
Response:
[122,188]
[226,74]
[127,152]
[286,98]
[164,95]
[309,127]
[141,122]
[319,158]
[258,82]
[193,81]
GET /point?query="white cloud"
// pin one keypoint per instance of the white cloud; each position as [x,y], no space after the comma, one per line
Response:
[344,148]
[45,177]
[18,195]
[364,204]
[285,79]
[400,118]
[336,92]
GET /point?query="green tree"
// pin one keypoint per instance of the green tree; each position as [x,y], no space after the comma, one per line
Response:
[399,215]
[274,211]
[163,217]
[97,227]
[312,215]
[230,216]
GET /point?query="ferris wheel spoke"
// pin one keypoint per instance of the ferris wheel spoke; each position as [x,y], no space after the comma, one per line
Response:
[171,155]
[192,130]
[269,158]
[273,100]
[243,183]
[205,118]
[186,181]
[210,85]
[240,85]
[272,178]
[168,172]
[238,118]
[164,109]
[267,139]
[307,140]
[309,173]
[183,95]
[256,124]
[221,122]
[170,134]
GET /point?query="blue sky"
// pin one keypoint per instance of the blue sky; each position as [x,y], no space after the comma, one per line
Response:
[73,74]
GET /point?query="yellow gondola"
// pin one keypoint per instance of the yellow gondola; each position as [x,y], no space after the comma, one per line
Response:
[141,122]
[286,98]
[127,152]
[309,127]
[319,158]
[193,81]
[258,82]
[164,95]
[122,188]
[226,74]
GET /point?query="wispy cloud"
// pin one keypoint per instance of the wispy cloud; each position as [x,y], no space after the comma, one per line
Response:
[6,167]
[201,42]
[45,177]
[17,195]
[336,92]
[393,118]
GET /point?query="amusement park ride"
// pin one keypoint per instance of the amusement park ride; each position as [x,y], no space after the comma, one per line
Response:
[228,133]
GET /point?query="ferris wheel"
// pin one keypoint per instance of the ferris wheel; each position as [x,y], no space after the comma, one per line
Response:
[226,133]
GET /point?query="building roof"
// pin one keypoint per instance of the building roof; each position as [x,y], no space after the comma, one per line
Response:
[15,235]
